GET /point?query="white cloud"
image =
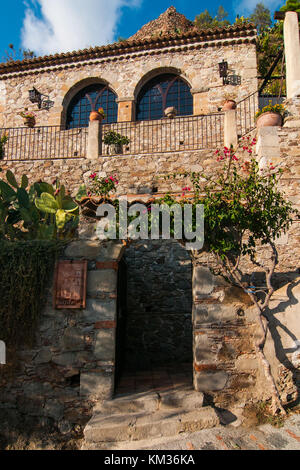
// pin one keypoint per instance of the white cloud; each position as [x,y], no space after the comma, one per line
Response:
[67,25]
[246,7]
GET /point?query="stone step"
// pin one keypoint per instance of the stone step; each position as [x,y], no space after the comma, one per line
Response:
[104,428]
[154,401]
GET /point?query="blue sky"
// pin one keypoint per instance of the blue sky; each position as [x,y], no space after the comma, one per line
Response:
[50,26]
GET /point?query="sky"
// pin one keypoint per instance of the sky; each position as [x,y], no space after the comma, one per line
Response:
[52,26]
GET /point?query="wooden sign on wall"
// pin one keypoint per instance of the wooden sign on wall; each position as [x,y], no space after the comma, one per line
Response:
[70,284]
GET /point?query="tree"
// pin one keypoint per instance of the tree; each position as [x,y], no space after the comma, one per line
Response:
[205,21]
[291,5]
[221,14]
[244,210]
[12,54]
[261,17]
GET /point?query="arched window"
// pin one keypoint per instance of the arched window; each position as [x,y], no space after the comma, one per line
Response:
[90,99]
[160,93]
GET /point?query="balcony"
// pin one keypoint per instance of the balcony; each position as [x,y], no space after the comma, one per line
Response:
[184,133]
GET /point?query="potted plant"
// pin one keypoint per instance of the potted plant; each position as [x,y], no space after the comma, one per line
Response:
[3,141]
[229,101]
[270,115]
[95,193]
[98,115]
[170,112]
[115,142]
[29,118]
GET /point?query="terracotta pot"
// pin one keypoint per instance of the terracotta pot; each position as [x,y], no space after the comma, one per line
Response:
[229,104]
[170,112]
[269,119]
[95,116]
[29,122]
[114,149]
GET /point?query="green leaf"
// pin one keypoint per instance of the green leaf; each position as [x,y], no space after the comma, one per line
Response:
[24,182]
[25,214]
[46,188]
[69,205]
[60,219]
[6,191]
[46,203]
[11,179]
[23,198]
[81,192]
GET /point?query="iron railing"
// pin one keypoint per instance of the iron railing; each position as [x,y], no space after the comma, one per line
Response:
[245,114]
[264,100]
[169,135]
[44,143]
[247,108]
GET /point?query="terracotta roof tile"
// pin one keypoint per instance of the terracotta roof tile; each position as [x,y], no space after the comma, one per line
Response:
[194,35]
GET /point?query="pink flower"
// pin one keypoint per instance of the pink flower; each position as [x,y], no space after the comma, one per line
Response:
[235,158]
[93,175]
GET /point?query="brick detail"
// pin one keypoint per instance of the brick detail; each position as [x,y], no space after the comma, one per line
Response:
[201,367]
[107,265]
[99,325]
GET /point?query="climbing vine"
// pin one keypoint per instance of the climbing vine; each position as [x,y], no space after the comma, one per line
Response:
[26,267]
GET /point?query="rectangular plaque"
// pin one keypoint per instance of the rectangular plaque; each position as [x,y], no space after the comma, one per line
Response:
[70,284]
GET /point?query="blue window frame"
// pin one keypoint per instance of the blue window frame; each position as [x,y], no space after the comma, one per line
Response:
[160,93]
[90,99]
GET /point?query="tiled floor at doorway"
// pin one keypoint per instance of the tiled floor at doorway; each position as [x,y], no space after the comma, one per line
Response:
[157,379]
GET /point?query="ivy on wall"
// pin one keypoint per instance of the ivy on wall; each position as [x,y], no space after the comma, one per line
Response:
[26,267]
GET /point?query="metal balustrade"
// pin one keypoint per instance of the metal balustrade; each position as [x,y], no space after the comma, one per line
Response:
[44,143]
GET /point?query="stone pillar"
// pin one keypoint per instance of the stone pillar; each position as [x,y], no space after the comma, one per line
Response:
[200,100]
[94,147]
[267,147]
[230,129]
[292,53]
[126,108]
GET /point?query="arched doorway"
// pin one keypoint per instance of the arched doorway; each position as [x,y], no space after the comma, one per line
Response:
[156,340]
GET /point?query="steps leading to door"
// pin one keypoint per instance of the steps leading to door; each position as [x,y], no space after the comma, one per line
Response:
[148,416]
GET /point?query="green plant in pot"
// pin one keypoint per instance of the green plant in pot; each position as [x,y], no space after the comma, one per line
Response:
[115,142]
[3,140]
[270,115]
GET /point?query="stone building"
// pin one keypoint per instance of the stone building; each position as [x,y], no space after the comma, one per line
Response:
[181,318]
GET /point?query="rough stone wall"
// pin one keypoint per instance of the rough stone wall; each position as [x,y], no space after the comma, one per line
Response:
[72,363]
[136,173]
[125,75]
[225,362]
[159,305]
[167,23]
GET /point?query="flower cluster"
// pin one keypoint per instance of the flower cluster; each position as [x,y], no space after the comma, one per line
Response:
[186,188]
[271,108]
[101,186]
[226,153]
[101,111]
[27,114]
